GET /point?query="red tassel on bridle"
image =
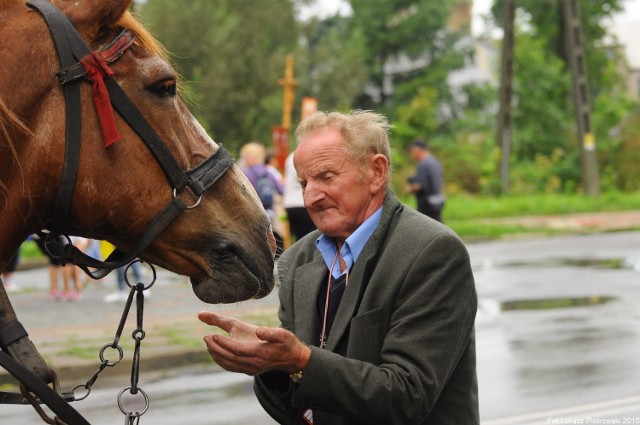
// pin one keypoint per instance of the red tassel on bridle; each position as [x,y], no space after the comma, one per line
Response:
[96,71]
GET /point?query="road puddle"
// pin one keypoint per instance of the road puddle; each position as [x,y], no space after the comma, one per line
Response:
[551,303]
[629,263]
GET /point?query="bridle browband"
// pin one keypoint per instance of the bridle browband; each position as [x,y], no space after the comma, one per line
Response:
[71,49]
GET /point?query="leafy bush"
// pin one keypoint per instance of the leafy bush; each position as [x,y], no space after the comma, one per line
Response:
[628,158]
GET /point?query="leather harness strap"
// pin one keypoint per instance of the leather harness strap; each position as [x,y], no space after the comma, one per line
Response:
[71,49]
[15,341]
[46,395]
[59,33]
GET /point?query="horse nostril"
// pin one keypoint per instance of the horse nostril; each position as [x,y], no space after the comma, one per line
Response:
[225,251]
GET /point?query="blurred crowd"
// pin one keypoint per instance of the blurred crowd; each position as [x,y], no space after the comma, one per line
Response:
[279,191]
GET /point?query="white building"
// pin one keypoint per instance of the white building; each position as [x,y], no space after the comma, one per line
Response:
[628,40]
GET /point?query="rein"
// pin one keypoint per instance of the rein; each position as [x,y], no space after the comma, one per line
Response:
[73,53]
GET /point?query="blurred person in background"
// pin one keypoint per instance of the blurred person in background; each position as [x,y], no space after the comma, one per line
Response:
[7,274]
[253,157]
[426,184]
[300,222]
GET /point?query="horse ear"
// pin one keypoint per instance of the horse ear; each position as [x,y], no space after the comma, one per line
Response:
[90,16]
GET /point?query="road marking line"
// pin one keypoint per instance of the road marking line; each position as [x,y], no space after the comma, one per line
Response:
[597,409]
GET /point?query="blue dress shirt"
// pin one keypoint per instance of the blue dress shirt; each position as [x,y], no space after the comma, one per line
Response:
[351,248]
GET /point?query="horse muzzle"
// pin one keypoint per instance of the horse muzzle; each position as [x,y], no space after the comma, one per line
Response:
[236,275]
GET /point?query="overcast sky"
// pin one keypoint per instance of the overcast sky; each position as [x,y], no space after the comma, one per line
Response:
[480,7]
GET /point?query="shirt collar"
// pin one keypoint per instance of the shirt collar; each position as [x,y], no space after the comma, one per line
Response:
[352,247]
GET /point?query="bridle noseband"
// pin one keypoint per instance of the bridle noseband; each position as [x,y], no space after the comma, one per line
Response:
[72,51]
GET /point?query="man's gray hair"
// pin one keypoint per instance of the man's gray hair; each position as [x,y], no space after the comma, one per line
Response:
[365,133]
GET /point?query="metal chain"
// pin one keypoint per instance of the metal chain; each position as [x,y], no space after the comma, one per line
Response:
[138,335]
[131,417]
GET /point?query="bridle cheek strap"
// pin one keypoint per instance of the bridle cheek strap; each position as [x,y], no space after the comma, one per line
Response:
[97,70]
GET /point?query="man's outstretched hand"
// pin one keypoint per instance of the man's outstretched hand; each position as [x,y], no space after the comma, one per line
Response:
[252,349]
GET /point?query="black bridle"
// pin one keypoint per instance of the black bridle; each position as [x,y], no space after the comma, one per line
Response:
[71,49]
[17,354]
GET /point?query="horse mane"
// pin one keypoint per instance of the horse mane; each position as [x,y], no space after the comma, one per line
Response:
[10,127]
[147,41]
[144,37]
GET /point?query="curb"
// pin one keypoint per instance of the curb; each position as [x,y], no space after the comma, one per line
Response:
[80,372]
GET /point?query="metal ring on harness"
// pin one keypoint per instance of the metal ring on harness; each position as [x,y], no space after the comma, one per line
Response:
[108,362]
[136,414]
[190,207]
[144,286]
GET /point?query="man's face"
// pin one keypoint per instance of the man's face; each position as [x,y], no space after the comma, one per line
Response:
[337,192]
[415,152]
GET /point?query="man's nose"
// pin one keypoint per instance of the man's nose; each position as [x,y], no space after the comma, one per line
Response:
[311,195]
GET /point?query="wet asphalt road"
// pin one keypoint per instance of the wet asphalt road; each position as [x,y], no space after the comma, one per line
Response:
[577,363]
[574,364]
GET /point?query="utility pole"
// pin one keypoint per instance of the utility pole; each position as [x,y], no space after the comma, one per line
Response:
[581,96]
[506,90]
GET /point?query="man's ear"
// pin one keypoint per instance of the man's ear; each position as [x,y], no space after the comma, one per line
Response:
[379,172]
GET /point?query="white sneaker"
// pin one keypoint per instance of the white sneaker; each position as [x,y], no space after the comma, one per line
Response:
[118,296]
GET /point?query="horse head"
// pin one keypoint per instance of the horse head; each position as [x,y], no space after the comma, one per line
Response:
[224,244]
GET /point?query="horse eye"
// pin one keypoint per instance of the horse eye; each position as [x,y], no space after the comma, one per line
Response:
[164,88]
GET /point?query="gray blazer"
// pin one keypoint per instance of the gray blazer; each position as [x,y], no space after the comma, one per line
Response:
[401,349]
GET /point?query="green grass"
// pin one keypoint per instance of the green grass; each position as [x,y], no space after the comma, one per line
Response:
[553,303]
[467,215]
[89,348]
[81,351]
[471,229]
[184,337]
[465,207]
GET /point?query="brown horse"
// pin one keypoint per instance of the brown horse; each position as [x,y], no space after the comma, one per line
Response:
[224,245]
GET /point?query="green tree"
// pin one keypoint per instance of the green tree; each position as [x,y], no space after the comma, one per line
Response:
[542,116]
[544,122]
[543,19]
[396,32]
[334,62]
[231,55]
[627,172]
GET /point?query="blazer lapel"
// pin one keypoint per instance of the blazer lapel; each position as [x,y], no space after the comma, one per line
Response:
[309,279]
[361,274]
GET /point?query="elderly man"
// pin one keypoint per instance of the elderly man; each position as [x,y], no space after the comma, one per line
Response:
[377,306]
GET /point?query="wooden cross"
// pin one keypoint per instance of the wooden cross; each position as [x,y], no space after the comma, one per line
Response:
[288,84]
